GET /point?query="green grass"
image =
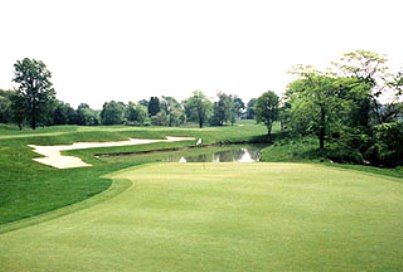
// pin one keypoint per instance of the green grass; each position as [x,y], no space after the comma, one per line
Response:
[223,217]
[28,188]
[292,150]
[306,150]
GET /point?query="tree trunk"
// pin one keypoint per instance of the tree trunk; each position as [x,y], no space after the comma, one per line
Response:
[269,128]
[33,114]
[33,120]
[322,131]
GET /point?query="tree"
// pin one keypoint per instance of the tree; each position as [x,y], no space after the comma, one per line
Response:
[154,106]
[324,105]
[173,110]
[60,113]
[160,119]
[136,114]
[198,107]
[18,109]
[387,150]
[221,109]
[5,106]
[312,108]
[113,113]
[371,69]
[87,116]
[239,106]
[35,93]
[226,110]
[250,108]
[142,115]
[267,109]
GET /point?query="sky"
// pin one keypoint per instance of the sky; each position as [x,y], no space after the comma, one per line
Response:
[127,50]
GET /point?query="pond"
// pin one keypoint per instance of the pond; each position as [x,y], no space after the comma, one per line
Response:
[234,154]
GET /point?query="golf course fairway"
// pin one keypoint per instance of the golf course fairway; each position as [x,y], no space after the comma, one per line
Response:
[223,217]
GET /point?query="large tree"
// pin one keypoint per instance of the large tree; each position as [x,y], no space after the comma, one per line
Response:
[35,93]
[136,114]
[267,109]
[316,104]
[371,69]
[87,116]
[113,113]
[198,107]
[173,109]
[222,109]
[154,106]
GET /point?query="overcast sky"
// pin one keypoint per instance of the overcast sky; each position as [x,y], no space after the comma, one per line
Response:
[128,50]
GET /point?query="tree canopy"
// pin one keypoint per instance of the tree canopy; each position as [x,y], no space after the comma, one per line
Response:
[198,107]
[267,109]
[35,94]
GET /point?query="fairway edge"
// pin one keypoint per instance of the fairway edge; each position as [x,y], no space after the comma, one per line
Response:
[117,187]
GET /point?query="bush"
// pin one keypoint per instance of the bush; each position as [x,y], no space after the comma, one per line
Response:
[387,149]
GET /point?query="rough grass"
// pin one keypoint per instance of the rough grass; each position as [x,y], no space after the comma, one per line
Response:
[28,188]
[224,217]
[306,150]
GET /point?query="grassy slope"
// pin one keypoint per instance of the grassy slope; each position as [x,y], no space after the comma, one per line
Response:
[28,188]
[224,217]
[306,150]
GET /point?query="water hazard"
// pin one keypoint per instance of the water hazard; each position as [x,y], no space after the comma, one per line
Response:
[239,154]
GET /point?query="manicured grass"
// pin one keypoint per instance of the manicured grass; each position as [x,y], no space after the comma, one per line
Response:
[28,188]
[224,217]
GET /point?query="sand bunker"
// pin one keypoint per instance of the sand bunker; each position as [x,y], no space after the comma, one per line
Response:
[54,158]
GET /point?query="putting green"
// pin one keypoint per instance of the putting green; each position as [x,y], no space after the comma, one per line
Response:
[223,217]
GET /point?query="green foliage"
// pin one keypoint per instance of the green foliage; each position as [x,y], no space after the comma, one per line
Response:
[239,107]
[64,114]
[198,108]
[136,115]
[35,93]
[160,119]
[223,110]
[345,112]
[316,107]
[174,111]
[5,106]
[154,106]
[371,68]
[113,113]
[250,111]
[267,109]
[387,149]
[84,116]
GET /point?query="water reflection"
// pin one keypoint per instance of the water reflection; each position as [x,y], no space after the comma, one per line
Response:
[246,154]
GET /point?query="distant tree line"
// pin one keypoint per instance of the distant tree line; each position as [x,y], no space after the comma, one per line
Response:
[34,103]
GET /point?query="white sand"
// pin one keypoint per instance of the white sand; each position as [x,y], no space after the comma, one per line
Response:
[54,158]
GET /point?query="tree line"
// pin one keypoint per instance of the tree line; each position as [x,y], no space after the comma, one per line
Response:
[34,103]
